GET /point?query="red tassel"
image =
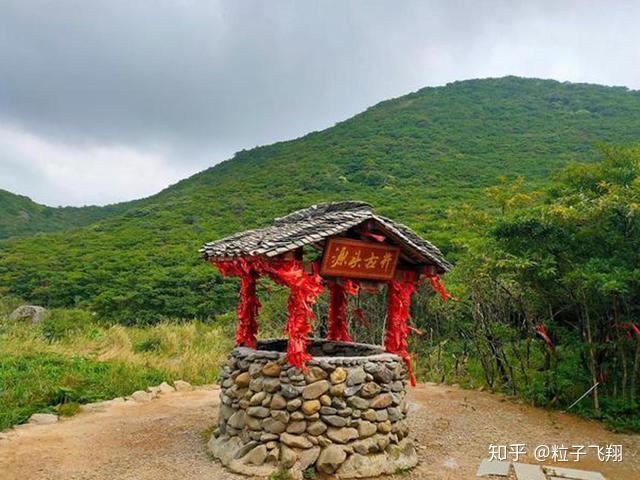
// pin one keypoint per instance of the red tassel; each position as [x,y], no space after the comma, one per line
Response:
[337,329]
[304,291]
[248,304]
[399,300]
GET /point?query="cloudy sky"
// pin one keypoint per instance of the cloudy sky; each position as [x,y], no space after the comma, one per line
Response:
[104,101]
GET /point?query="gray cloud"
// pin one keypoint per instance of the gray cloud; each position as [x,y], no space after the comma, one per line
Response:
[180,85]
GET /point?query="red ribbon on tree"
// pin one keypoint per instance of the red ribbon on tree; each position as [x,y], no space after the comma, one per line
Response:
[337,329]
[399,300]
[631,329]
[542,331]
[436,285]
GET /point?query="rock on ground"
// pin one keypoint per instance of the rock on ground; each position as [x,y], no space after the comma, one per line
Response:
[43,418]
[182,386]
[31,313]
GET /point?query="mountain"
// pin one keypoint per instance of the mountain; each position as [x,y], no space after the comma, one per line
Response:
[19,215]
[417,158]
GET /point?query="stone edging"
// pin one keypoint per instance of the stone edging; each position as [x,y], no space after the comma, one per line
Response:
[139,396]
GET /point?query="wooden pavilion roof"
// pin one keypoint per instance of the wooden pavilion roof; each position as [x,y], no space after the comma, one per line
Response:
[311,226]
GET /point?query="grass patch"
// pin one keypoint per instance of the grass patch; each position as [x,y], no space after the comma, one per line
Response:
[309,473]
[148,345]
[280,474]
[403,472]
[39,382]
[205,433]
[68,409]
[73,358]
[61,324]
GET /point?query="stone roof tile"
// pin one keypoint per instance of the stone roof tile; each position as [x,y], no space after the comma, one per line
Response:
[314,224]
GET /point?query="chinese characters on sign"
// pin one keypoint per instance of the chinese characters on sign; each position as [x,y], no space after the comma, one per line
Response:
[356,259]
[555,453]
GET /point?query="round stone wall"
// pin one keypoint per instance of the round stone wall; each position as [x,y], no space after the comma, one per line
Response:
[346,416]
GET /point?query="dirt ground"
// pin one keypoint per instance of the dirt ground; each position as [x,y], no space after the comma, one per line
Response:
[162,439]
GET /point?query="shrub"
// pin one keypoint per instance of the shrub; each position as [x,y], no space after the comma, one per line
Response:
[61,323]
[151,344]
[68,409]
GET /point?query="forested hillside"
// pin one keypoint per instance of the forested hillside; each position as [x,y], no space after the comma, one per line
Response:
[505,175]
[19,215]
[419,158]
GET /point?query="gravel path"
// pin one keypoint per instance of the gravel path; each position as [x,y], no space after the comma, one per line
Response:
[162,439]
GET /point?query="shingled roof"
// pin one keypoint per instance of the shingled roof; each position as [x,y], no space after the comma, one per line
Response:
[311,226]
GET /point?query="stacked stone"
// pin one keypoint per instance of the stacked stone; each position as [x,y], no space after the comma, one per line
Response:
[345,416]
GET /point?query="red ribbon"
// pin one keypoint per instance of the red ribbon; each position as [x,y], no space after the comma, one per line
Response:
[542,331]
[248,305]
[399,300]
[337,329]
[438,287]
[304,289]
[374,236]
[631,329]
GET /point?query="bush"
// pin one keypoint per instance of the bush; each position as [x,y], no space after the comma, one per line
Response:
[8,304]
[151,344]
[68,409]
[62,323]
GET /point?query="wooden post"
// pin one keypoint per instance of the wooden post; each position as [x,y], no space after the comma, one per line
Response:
[248,308]
[337,329]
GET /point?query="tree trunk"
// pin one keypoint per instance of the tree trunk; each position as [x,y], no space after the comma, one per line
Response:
[634,373]
[592,361]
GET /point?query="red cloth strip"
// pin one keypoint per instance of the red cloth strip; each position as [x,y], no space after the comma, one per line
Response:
[338,293]
[631,329]
[436,286]
[542,331]
[337,329]
[304,289]
[359,314]
[248,304]
[374,236]
[398,302]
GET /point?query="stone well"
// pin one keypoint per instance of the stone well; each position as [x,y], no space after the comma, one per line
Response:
[345,417]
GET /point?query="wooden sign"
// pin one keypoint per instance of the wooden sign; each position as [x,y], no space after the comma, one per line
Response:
[344,257]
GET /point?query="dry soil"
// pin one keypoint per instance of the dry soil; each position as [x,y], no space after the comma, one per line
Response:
[163,438]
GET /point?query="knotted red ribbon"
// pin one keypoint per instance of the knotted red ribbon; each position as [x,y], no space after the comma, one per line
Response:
[248,304]
[337,329]
[438,287]
[399,300]
[542,331]
[304,289]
